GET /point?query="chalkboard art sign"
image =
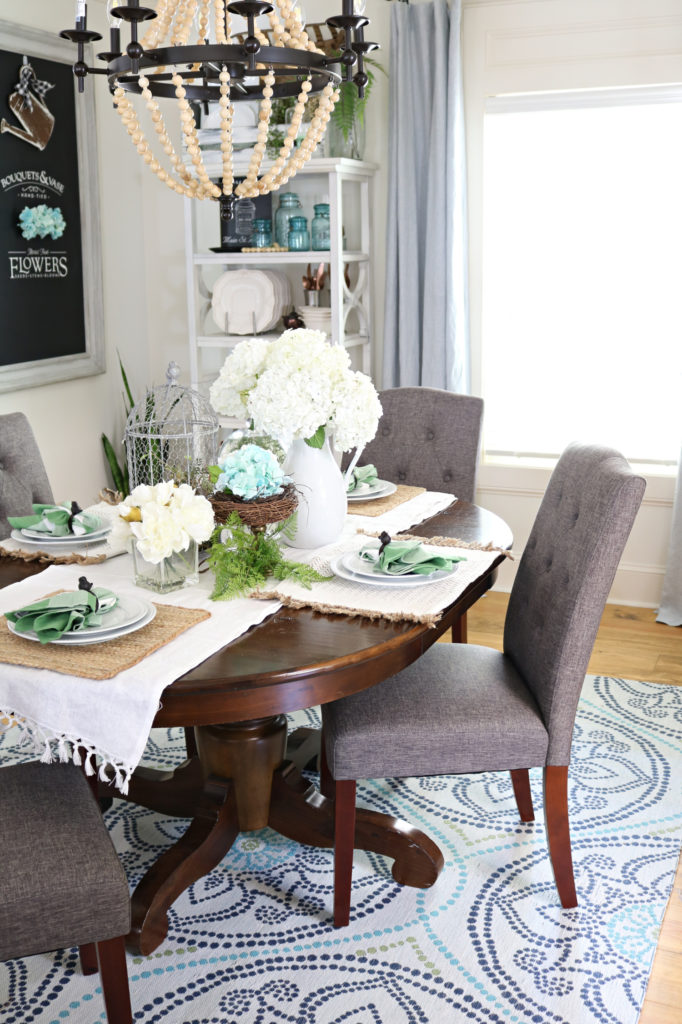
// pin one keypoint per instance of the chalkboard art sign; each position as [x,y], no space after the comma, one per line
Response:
[50,269]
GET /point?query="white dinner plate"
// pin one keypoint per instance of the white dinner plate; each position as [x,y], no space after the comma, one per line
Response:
[369,492]
[51,542]
[99,534]
[244,301]
[130,614]
[374,579]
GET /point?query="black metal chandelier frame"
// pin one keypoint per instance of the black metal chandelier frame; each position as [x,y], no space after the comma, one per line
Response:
[200,64]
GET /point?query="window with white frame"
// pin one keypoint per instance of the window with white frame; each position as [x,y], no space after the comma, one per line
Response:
[582,272]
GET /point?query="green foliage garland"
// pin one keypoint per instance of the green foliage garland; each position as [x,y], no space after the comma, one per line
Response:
[248,558]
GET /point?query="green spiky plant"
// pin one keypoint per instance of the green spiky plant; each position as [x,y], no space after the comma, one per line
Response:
[119,470]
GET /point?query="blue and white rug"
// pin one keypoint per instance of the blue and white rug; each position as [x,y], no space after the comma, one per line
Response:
[252,943]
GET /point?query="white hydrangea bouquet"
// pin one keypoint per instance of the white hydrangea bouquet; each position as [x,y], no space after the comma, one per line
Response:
[298,387]
[164,524]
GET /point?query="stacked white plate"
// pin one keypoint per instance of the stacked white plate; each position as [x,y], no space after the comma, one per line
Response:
[355,569]
[369,492]
[129,614]
[316,318]
[36,538]
[250,301]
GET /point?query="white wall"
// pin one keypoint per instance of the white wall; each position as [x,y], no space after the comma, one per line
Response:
[537,45]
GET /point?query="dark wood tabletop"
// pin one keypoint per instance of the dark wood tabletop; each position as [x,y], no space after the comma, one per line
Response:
[299,658]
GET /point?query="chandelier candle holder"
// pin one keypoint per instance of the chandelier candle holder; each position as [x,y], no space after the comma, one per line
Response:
[188,53]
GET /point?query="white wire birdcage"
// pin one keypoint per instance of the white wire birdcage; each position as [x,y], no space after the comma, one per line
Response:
[172,434]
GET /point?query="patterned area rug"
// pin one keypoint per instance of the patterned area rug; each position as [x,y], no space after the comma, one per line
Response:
[252,943]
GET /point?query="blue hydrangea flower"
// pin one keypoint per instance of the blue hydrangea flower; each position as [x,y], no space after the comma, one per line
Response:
[251,472]
[41,221]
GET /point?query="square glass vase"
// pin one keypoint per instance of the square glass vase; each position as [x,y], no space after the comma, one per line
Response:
[181,569]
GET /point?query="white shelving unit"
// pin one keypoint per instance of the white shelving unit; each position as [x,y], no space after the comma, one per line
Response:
[347,186]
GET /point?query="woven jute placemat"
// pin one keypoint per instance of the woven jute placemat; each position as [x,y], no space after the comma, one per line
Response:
[381,505]
[45,558]
[105,660]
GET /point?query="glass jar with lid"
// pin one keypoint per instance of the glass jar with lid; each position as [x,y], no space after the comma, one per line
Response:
[299,236]
[262,233]
[289,206]
[320,227]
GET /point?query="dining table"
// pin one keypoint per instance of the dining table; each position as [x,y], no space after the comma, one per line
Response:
[243,770]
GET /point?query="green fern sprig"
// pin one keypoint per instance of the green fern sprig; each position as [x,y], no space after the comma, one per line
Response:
[247,559]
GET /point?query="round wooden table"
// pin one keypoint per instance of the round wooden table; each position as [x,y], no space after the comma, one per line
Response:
[242,772]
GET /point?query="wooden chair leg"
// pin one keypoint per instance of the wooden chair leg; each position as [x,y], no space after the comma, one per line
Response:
[344,844]
[327,785]
[459,630]
[88,955]
[558,833]
[524,799]
[190,743]
[111,954]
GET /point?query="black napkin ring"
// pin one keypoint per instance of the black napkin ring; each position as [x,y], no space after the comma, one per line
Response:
[385,539]
[75,510]
[85,584]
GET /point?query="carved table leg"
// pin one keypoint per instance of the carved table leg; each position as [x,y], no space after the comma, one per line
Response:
[300,812]
[204,844]
[248,785]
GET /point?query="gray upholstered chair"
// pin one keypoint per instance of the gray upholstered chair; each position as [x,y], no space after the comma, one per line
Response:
[464,709]
[62,882]
[428,438]
[23,479]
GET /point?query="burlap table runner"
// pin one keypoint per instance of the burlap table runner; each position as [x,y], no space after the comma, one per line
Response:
[105,660]
[381,505]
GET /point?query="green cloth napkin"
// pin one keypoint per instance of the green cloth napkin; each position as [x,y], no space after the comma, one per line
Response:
[71,611]
[400,557]
[58,520]
[362,475]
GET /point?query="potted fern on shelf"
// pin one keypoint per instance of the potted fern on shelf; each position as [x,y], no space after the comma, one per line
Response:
[347,122]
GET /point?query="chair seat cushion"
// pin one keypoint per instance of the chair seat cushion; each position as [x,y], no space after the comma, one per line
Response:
[62,882]
[457,709]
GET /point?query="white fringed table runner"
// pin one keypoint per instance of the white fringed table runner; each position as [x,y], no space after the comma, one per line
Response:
[111,718]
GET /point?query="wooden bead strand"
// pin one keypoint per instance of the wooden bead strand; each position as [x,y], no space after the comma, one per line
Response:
[131,124]
[248,187]
[159,26]
[164,139]
[223,22]
[189,129]
[226,120]
[202,35]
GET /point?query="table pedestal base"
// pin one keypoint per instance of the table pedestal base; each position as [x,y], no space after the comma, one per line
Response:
[240,780]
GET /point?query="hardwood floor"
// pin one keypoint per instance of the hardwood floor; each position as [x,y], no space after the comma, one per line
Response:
[632,645]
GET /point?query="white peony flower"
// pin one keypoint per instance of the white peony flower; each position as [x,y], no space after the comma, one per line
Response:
[160,533]
[164,519]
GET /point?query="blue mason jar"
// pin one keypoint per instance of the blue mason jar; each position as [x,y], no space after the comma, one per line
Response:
[299,236]
[262,233]
[289,205]
[320,227]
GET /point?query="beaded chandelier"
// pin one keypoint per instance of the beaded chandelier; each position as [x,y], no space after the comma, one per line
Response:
[189,52]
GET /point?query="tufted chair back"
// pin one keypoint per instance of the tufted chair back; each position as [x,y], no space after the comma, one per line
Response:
[564,578]
[428,438]
[23,479]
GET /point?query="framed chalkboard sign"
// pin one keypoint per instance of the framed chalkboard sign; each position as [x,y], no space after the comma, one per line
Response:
[50,255]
